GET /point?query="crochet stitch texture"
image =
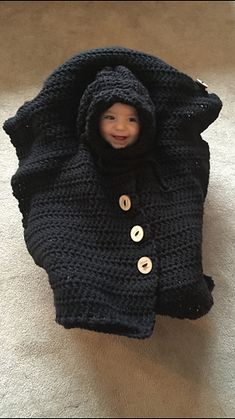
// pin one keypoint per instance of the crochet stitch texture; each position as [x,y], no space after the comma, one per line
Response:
[75,222]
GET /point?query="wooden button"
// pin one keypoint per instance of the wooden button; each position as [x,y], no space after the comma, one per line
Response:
[145,265]
[125,202]
[137,233]
[202,83]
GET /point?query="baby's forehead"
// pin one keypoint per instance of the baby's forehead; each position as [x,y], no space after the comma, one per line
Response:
[122,107]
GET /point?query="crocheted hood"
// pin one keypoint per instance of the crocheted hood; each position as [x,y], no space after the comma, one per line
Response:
[113,85]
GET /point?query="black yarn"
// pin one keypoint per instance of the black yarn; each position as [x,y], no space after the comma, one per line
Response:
[69,182]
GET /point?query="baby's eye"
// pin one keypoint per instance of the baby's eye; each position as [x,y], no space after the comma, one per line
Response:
[133,119]
[108,116]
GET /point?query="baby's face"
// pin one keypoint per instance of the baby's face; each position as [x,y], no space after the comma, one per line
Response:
[119,125]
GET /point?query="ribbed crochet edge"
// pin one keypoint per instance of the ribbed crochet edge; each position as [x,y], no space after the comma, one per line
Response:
[122,325]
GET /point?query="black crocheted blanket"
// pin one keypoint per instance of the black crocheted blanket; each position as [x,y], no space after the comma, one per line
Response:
[123,245]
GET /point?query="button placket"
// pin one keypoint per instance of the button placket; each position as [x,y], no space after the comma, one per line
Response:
[144,264]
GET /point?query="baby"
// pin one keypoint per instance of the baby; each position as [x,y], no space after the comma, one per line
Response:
[119,125]
[116,119]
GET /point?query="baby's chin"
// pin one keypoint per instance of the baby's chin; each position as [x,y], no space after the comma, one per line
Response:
[120,145]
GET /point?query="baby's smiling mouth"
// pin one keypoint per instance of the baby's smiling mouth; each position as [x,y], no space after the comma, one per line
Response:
[119,137]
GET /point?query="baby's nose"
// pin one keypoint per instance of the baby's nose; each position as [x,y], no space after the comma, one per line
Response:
[120,124]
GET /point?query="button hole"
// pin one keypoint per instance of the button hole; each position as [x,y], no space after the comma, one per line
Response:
[145,265]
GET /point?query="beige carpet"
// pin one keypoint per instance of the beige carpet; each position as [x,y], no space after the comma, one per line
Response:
[187,368]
